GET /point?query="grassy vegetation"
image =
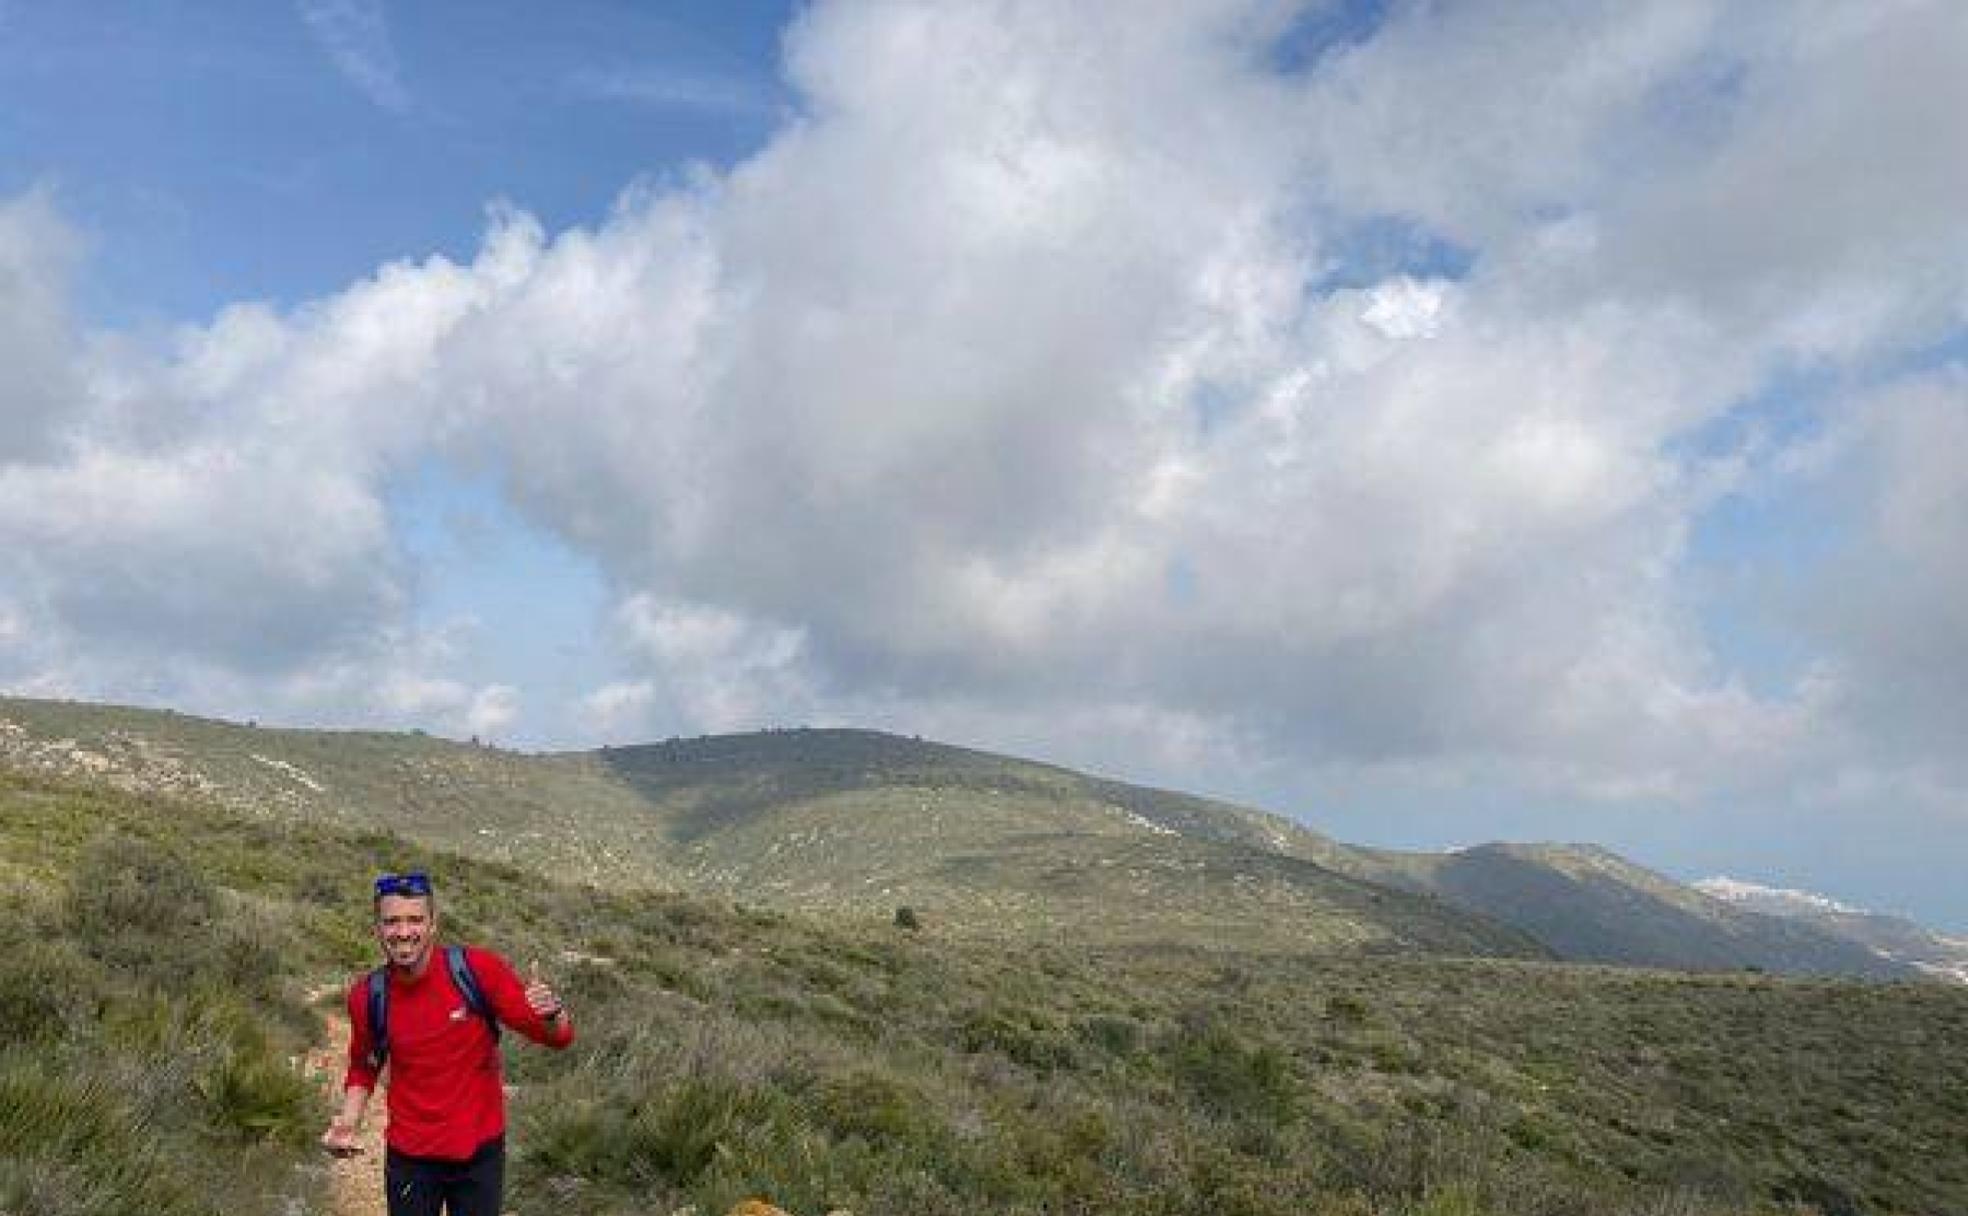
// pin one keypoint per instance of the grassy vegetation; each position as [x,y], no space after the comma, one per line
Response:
[850,824]
[567,812]
[854,823]
[156,954]
[147,1023]
[836,822]
[1586,903]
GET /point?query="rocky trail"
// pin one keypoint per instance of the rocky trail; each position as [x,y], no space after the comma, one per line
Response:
[355,1186]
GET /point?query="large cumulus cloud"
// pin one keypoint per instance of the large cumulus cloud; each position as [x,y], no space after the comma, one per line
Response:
[1101,375]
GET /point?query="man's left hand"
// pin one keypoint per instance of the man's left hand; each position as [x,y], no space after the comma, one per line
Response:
[540,994]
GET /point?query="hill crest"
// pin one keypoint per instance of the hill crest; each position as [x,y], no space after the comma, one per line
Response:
[857,823]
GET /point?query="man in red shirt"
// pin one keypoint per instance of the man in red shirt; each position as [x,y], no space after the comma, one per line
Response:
[447,1106]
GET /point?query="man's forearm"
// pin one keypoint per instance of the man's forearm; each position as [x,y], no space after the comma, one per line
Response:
[355,1100]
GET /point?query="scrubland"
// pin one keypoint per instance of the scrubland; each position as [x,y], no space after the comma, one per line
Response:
[156,956]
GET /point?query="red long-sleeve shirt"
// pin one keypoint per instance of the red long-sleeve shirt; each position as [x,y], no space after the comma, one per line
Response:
[446,1092]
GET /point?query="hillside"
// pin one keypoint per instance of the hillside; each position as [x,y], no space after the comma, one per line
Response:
[728,1051]
[853,821]
[564,810]
[1894,937]
[856,824]
[1591,905]
[848,823]
[826,817]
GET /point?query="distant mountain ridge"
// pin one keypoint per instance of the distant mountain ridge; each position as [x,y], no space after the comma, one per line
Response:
[854,819]
[859,823]
[847,823]
[1588,903]
[1894,937]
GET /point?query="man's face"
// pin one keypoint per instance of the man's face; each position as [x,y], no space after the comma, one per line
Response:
[406,925]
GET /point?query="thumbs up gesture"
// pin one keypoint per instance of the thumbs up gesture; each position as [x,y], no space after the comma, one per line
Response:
[540,995]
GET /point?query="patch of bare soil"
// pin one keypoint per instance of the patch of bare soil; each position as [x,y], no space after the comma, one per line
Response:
[355,1186]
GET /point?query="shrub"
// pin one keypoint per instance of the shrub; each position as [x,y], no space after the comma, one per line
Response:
[127,897]
[1233,1077]
[260,1097]
[41,992]
[1022,1036]
[1346,1009]
[1115,1035]
[876,1108]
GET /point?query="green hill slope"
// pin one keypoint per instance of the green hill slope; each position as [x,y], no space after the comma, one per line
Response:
[156,949]
[563,810]
[846,823]
[856,824]
[1591,905]
[852,818]
[860,822]
[1937,954]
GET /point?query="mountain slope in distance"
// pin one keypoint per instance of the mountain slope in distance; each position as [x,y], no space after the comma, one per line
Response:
[849,819]
[850,823]
[1591,905]
[566,813]
[1894,937]
[861,823]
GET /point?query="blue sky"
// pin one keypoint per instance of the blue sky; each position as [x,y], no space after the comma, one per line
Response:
[235,151]
[1439,422]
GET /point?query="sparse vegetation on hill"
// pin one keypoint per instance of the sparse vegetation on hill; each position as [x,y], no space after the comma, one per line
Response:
[1587,903]
[158,950]
[148,1016]
[567,811]
[841,823]
[849,824]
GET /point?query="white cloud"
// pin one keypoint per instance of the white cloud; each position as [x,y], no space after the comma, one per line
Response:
[1020,390]
[493,708]
[394,677]
[37,344]
[619,711]
[1885,601]
[452,706]
[672,88]
[355,36]
[1404,308]
[718,670]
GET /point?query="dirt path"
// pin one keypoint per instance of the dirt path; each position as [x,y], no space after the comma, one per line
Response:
[355,1184]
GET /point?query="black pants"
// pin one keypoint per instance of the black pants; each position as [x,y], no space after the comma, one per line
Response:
[424,1186]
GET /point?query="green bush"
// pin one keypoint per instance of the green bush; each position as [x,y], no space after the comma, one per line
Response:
[260,1096]
[43,1109]
[145,1042]
[1115,1035]
[876,1108]
[1234,1077]
[1347,1009]
[1023,1036]
[128,896]
[43,990]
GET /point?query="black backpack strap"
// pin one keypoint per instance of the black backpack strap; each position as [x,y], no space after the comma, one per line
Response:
[467,984]
[378,1018]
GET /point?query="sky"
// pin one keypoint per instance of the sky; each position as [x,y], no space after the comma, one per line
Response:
[1436,420]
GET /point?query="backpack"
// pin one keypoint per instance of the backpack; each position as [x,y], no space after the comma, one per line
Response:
[462,978]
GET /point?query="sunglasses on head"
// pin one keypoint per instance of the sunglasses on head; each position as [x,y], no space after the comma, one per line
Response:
[416,882]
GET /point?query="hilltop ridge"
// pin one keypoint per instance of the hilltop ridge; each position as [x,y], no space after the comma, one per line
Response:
[857,823]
